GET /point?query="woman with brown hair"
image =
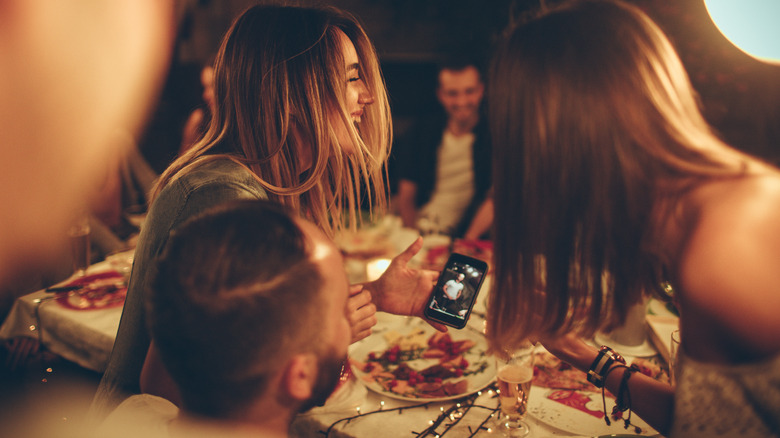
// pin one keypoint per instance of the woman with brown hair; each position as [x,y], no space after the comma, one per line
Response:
[608,184]
[301,117]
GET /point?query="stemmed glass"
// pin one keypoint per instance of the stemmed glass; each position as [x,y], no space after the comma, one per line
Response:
[515,371]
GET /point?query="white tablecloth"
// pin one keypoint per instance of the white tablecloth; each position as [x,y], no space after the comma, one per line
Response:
[85,337]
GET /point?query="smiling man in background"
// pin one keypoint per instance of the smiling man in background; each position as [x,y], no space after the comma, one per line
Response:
[443,165]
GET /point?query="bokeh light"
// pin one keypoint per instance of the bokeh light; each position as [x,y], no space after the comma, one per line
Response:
[751,25]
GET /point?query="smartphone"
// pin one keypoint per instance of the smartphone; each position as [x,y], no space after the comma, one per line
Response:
[456,290]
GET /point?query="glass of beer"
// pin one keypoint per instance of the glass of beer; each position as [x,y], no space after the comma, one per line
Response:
[514,373]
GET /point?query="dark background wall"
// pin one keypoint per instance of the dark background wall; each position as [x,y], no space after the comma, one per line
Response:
[740,96]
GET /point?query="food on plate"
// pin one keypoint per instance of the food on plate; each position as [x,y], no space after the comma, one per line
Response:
[415,365]
[97,291]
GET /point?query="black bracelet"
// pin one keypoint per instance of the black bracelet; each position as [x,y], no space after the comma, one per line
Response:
[603,396]
[601,365]
[623,399]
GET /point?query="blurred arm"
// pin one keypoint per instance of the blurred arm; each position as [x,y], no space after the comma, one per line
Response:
[407,192]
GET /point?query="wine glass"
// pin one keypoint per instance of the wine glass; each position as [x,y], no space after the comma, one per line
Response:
[514,373]
[78,235]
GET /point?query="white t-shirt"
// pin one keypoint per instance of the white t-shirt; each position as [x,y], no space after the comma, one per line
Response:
[141,415]
[149,416]
[452,288]
[454,185]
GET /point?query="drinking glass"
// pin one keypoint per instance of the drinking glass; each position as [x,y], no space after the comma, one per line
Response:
[515,371]
[674,350]
[79,245]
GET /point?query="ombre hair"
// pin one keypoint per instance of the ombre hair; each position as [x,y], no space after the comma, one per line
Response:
[596,131]
[280,86]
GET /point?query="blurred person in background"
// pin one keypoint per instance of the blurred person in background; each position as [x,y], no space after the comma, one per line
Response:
[443,163]
[198,121]
[119,200]
[627,191]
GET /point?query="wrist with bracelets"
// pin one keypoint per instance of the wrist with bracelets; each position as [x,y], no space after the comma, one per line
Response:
[606,361]
[599,369]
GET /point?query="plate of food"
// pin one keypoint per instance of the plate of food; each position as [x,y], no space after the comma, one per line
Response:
[409,360]
[92,292]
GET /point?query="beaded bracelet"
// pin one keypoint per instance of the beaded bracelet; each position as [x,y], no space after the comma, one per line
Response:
[600,367]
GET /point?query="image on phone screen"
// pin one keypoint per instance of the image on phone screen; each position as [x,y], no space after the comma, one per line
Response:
[456,290]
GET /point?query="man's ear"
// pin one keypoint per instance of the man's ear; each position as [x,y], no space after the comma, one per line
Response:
[300,375]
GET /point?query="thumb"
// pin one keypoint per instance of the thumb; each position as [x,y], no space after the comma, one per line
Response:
[409,252]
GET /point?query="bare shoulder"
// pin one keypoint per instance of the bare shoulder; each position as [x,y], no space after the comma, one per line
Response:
[729,269]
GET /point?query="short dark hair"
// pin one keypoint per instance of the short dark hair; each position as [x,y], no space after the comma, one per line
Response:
[232,297]
[460,62]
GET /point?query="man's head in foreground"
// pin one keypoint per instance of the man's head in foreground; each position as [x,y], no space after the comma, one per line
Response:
[247,311]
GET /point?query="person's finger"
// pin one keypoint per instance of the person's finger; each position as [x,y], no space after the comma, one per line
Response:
[363,325]
[361,335]
[361,312]
[359,300]
[355,289]
[409,252]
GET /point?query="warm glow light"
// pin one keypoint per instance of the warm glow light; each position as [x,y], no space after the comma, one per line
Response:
[751,25]
[375,268]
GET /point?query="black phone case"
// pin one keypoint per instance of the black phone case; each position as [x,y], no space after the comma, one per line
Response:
[440,307]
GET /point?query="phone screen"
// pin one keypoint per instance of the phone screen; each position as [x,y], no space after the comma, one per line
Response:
[456,290]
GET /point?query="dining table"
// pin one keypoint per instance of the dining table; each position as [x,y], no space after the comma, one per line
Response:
[84,333]
[360,408]
[76,319]
[363,410]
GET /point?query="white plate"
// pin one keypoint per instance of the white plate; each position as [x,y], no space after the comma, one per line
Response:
[376,343]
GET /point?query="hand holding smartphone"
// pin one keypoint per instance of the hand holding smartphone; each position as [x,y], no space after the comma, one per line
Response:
[456,290]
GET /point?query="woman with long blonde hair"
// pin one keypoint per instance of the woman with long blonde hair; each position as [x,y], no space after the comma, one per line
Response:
[609,185]
[301,118]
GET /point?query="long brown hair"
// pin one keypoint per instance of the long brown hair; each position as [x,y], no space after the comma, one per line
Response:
[280,80]
[594,122]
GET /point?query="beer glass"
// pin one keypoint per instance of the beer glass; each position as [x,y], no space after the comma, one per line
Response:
[514,373]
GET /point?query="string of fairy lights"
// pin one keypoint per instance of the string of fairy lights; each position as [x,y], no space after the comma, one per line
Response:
[445,421]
